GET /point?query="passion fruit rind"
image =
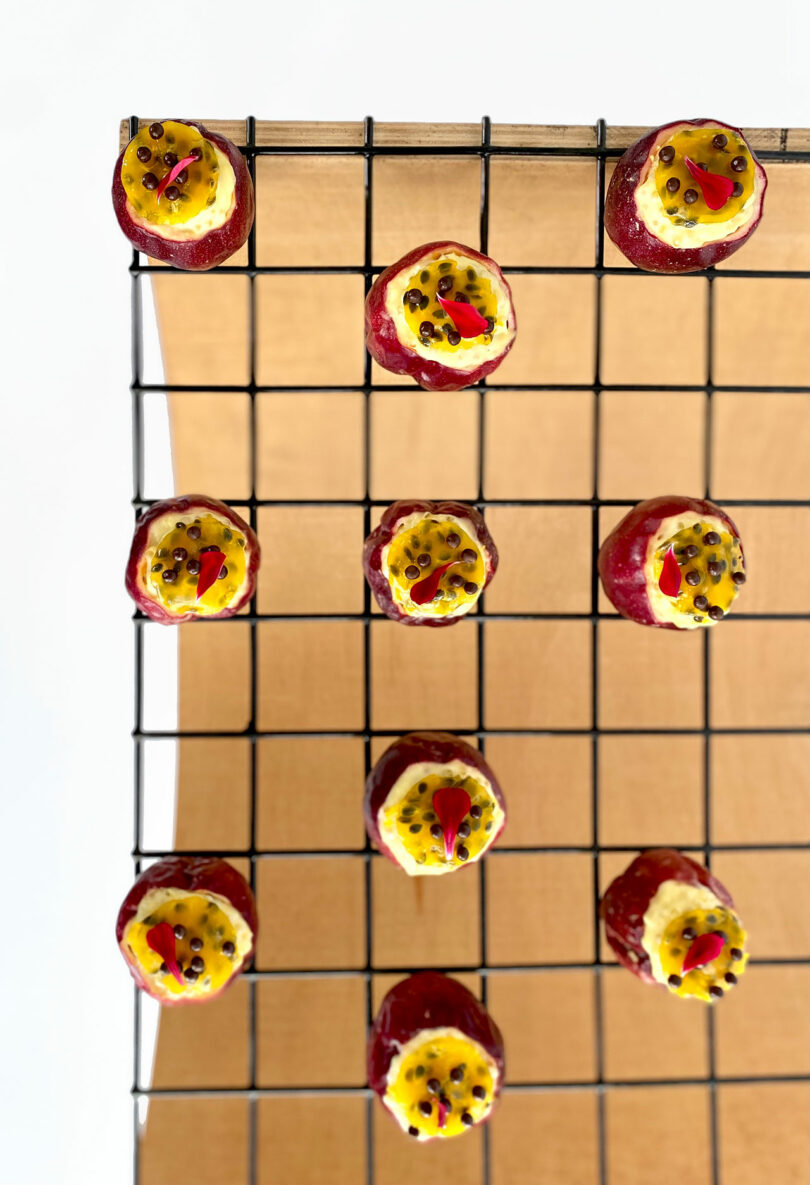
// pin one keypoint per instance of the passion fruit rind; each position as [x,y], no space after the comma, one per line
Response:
[191,875]
[658,911]
[421,749]
[423,1003]
[625,223]
[386,531]
[625,901]
[630,555]
[395,346]
[151,527]
[210,248]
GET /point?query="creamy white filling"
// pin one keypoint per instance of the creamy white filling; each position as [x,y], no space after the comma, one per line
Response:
[652,213]
[463,359]
[417,773]
[401,595]
[664,607]
[209,218]
[671,899]
[422,1037]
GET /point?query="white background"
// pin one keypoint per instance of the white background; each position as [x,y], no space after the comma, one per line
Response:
[71,71]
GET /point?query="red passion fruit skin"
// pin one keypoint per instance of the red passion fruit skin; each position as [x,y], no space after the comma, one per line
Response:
[387,342]
[185,505]
[211,248]
[194,874]
[428,1000]
[623,555]
[385,532]
[625,224]
[627,898]
[416,748]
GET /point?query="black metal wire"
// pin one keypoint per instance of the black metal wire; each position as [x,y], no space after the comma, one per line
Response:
[371,270]
[250,130]
[600,1084]
[486,131]
[322,388]
[586,1084]
[707,747]
[368,198]
[597,427]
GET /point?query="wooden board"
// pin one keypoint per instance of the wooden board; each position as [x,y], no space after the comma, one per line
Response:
[533,907]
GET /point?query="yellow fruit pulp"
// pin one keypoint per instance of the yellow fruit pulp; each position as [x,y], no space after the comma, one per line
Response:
[674,947]
[429,538]
[179,595]
[195,193]
[720,589]
[470,282]
[433,1062]
[415,809]
[201,918]
[697,144]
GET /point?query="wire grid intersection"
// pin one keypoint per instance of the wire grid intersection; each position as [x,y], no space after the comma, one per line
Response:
[600,1084]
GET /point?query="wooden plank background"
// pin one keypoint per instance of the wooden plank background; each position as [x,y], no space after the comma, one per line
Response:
[539,445]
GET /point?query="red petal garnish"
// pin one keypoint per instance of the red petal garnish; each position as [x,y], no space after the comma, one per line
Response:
[442,1109]
[670,579]
[451,804]
[467,320]
[175,172]
[425,590]
[716,188]
[160,939]
[211,563]
[703,950]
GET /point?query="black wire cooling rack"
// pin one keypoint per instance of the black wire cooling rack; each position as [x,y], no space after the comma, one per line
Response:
[369,151]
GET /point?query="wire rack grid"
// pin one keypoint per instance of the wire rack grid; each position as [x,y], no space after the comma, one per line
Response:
[486,151]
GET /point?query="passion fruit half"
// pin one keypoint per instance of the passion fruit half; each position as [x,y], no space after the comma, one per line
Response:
[435,1057]
[187,929]
[685,196]
[427,563]
[673,562]
[442,314]
[183,195]
[432,804]
[671,922]
[192,558]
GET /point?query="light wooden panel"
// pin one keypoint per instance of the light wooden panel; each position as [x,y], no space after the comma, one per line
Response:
[310,675]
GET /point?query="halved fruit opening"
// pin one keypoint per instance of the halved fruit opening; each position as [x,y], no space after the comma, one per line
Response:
[440,1084]
[188,944]
[441,819]
[704,175]
[197,565]
[696,570]
[170,173]
[449,305]
[703,953]
[434,566]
